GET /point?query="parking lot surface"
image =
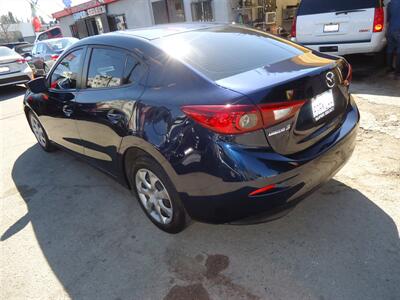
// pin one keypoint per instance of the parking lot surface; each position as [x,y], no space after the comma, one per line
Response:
[69,231]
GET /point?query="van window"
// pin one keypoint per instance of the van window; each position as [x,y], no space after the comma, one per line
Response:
[309,7]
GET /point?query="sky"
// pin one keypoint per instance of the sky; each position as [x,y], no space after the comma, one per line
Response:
[21,8]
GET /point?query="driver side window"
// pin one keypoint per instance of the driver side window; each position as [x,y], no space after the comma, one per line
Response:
[67,71]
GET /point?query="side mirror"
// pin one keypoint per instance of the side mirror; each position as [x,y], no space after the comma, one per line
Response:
[38,85]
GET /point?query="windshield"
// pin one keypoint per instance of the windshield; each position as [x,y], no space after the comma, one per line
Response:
[60,44]
[226,51]
[308,7]
[4,51]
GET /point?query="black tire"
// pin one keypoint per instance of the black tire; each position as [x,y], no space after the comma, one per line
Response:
[43,142]
[180,219]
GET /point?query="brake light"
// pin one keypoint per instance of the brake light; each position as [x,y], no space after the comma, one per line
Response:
[294,27]
[236,119]
[21,60]
[54,57]
[379,19]
[263,190]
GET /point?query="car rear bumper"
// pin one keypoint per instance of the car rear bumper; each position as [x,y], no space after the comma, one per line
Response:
[16,77]
[295,177]
[374,45]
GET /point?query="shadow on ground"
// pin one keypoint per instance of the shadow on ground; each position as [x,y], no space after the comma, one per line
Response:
[7,92]
[337,244]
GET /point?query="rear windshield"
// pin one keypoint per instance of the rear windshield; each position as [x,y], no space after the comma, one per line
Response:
[309,7]
[226,51]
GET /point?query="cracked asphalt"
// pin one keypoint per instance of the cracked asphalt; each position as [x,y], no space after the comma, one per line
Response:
[70,232]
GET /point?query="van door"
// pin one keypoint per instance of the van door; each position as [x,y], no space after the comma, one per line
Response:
[340,21]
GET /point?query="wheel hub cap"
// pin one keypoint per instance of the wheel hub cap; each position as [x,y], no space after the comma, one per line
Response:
[154,196]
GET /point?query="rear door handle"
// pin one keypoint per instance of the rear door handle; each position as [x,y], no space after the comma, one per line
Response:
[67,110]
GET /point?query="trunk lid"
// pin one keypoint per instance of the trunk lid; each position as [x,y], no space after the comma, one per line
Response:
[302,78]
[8,64]
[326,22]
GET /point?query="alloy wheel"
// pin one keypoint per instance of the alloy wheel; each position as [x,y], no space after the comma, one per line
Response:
[38,131]
[154,196]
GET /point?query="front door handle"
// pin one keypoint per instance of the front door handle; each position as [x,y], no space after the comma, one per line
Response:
[114,116]
[67,110]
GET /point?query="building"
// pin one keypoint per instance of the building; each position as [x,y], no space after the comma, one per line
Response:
[101,16]
[18,32]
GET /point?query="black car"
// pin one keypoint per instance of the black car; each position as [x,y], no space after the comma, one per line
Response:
[213,122]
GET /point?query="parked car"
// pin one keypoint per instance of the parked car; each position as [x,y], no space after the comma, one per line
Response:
[13,68]
[217,123]
[45,53]
[51,33]
[341,27]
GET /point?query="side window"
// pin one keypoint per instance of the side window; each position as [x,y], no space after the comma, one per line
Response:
[67,71]
[105,68]
[133,70]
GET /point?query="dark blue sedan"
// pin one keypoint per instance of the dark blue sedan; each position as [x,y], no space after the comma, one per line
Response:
[212,122]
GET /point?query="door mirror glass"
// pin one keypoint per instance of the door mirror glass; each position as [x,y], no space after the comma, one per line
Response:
[38,85]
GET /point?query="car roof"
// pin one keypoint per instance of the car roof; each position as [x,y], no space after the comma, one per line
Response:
[160,31]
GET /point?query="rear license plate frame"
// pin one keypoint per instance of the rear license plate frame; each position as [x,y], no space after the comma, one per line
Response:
[333,27]
[322,105]
[4,69]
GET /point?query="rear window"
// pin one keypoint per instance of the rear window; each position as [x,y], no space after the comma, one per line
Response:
[57,45]
[226,51]
[4,51]
[309,7]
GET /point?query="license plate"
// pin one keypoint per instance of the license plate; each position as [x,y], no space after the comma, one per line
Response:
[4,69]
[331,27]
[322,105]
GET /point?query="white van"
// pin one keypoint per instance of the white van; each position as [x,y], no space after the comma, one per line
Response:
[341,27]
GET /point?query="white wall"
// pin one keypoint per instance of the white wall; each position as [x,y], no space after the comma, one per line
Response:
[64,24]
[137,12]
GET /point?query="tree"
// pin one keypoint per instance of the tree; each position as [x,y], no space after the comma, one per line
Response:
[5,23]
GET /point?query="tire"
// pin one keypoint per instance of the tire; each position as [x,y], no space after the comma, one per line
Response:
[40,133]
[157,195]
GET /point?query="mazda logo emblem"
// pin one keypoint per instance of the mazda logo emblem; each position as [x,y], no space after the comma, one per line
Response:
[330,79]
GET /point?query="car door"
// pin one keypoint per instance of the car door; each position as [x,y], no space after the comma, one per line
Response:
[59,117]
[105,104]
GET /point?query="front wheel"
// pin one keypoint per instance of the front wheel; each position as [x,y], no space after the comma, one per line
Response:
[40,133]
[157,195]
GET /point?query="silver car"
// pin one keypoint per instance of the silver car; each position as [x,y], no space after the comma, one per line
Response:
[13,68]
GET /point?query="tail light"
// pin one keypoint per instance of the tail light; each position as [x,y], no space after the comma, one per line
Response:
[54,57]
[236,119]
[21,60]
[294,27]
[379,19]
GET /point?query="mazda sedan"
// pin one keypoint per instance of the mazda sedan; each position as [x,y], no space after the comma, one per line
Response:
[211,122]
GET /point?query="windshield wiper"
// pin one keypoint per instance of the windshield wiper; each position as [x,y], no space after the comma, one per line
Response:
[348,11]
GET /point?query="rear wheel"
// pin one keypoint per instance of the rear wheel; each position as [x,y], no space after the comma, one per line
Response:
[157,196]
[40,133]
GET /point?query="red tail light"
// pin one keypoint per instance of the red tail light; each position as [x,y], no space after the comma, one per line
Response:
[236,119]
[294,27]
[379,19]
[54,57]
[21,60]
